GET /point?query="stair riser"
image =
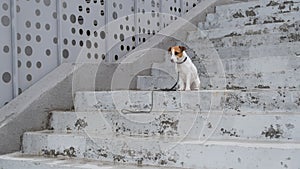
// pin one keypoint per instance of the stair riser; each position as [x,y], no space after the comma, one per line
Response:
[209,101]
[184,125]
[180,154]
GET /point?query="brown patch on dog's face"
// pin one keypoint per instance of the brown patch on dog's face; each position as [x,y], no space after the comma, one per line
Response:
[178,50]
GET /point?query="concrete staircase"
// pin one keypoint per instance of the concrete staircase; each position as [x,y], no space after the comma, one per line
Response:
[255,41]
[249,117]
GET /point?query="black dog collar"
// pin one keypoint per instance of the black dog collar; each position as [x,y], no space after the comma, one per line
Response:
[182,61]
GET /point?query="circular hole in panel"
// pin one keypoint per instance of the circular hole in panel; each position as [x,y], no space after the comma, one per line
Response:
[102,2]
[64,17]
[194,4]
[122,38]
[88,10]
[153,14]
[5,20]
[144,39]
[6,77]
[102,12]
[127,28]
[55,40]
[80,20]
[133,39]
[114,4]
[38,25]
[116,57]
[28,64]
[115,36]
[47,2]
[54,15]
[144,30]
[126,18]
[96,45]
[73,18]
[5,6]
[66,41]
[80,8]
[96,56]
[73,42]
[81,31]
[73,30]
[48,52]
[38,64]
[28,50]
[65,53]
[115,15]
[133,28]
[171,8]
[19,50]
[38,38]
[89,56]
[95,34]
[133,47]
[175,9]
[37,1]
[29,77]
[64,5]
[18,36]
[88,33]
[103,56]
[121,27]
[149,32]
[5,49]
[179,10]
[37,12]
[95,23]
[19,63]
[122,47]
[81,43]
[47,27]
[28,37]
[128,48]
[120,6]
[88,44]
[148,22]
[18,9]
[102,35]
[20,91]
[95,1]
[153,3]
[88,1]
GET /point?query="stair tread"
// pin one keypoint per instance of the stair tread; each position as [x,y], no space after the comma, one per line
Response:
[18,159]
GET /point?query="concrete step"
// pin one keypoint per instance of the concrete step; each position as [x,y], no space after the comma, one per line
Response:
[261,16]
[237,81]
[19,160]
[279,127]
[246,30]
[229,101]
[165,152]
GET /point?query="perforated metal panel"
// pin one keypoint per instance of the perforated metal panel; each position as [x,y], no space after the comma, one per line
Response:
[5,53]
[37,40]
[121,28]
[148,19]
[47,33]
[170,10]
[82,27]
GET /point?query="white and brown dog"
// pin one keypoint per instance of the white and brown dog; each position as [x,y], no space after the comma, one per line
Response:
[188,74]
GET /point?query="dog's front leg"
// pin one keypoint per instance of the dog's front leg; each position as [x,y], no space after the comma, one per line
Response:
[188,82]
[181,84]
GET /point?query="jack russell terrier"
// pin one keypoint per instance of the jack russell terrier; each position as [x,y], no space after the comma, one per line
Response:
[188,74]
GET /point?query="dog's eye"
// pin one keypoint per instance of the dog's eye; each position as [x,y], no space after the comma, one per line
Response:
[176,53]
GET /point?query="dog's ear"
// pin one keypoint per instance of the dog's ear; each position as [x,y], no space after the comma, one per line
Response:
[182,48]
[170,48]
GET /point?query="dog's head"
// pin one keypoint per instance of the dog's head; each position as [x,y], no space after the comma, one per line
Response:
[176,53]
